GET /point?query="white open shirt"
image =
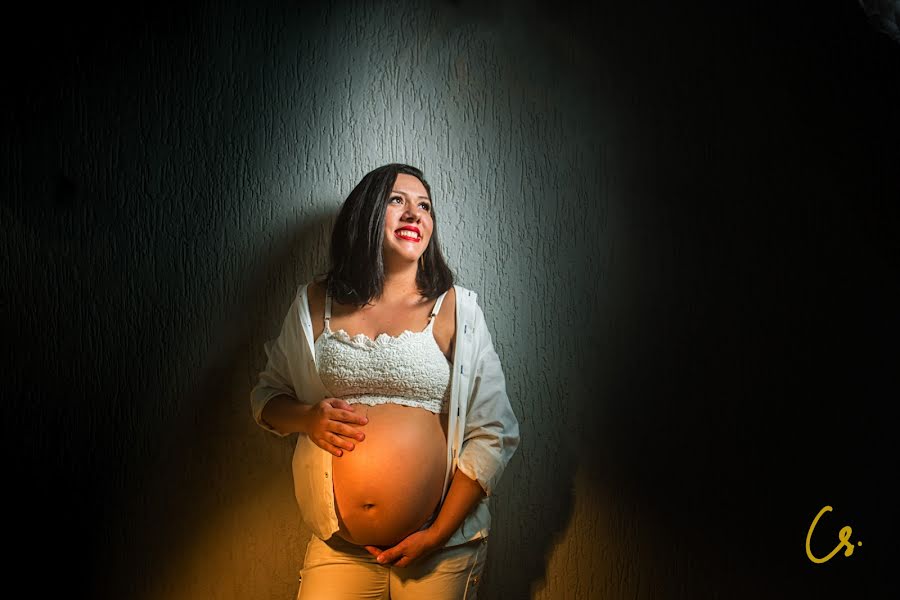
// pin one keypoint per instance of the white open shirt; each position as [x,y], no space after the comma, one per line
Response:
[482,434]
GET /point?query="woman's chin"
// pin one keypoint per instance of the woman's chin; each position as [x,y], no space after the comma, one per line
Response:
[400,259]
[406,250]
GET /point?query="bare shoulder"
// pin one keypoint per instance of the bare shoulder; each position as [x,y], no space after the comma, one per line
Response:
[450,301]
[445,324]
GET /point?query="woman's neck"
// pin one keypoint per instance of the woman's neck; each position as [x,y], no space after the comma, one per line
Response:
[399,284]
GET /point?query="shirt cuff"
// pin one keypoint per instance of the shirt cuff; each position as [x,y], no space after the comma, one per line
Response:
[259,400]
[482,466]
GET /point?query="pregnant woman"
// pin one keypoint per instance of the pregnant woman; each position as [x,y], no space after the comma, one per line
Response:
[387,371]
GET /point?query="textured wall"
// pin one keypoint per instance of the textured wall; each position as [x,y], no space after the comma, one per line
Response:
[646,203]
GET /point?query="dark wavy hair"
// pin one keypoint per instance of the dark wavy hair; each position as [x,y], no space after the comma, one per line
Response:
[356,271]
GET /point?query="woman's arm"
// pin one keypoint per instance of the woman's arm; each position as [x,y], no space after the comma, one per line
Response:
[491,434]
[463,496]
[274,394]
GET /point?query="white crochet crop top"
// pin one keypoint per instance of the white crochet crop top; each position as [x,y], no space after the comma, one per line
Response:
[409,369]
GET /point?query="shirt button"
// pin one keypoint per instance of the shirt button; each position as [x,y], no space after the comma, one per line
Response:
[326,475]
[475,580]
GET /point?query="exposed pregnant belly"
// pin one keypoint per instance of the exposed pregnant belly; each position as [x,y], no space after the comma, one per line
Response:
[392,482]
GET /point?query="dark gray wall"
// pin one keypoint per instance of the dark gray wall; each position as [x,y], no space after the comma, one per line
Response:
[681,221]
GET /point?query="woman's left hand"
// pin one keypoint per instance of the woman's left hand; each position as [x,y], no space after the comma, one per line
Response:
[412,548]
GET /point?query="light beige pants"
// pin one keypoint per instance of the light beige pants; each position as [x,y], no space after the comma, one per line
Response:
[339,570]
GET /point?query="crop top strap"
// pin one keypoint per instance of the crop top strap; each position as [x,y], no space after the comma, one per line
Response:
[327,310]
[436,309]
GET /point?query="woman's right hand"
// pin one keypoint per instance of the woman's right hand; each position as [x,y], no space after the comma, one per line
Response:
[327,425]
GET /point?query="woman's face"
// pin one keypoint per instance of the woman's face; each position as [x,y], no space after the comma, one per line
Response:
[407,220]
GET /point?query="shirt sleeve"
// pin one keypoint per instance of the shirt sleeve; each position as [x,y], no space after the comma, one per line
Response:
[491,434]
[275,379]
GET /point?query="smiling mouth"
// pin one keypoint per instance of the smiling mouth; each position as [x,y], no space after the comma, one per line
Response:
[407,235]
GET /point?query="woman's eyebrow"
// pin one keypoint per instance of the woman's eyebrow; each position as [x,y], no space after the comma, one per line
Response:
[405,194]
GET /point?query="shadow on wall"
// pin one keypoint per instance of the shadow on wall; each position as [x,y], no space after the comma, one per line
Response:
[532,515]
[186,529]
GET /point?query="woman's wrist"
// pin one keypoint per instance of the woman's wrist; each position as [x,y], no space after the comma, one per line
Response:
[286,414]
[437,537]
[302,417]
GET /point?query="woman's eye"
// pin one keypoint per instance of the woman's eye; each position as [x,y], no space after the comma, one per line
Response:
[424,205]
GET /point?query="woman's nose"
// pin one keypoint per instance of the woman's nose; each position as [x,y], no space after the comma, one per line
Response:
[413,213]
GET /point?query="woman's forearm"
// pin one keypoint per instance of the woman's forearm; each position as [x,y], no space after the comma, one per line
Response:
[464,494]
[285,414]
